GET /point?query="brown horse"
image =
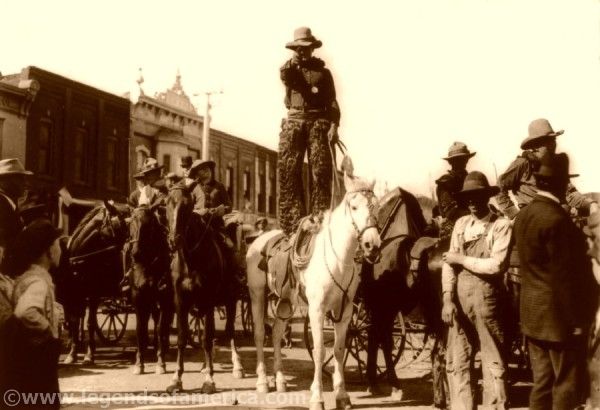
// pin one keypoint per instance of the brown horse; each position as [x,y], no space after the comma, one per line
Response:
[201,279]
[151,290]
[389,287]
[90,268]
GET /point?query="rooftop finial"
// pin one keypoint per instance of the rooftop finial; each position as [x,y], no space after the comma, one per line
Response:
[140,81]
[177,86]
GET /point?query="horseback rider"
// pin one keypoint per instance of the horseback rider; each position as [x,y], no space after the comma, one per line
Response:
[212,202]
[540,144]
[311,124]
[473,297]
[185,164]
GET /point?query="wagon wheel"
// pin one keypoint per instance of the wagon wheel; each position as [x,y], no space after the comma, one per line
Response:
[356,341]
[416,343]
[195,327]
[111,320]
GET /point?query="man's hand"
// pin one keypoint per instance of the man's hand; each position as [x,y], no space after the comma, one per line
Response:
[453,258]
[448,312]
[332,134]
[594,208]
[220,210]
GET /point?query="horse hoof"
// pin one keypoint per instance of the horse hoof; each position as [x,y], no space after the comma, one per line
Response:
[87,361]
[209,388]
[281,386]
[238,373]
[176,387]
[262,387]
[70,359]
[374,390]
[160,369]
[343,403]
[319,405]
[396,394]
[137,369]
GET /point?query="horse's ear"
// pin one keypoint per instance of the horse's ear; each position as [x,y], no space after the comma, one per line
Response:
[371,183]
[110,207]
[347,167]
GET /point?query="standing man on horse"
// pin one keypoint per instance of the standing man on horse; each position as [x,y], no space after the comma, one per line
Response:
[558,291]
[473,295]
[311,125]
[519,178]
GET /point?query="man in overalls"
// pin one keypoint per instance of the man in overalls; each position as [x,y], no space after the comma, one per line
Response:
[474,296]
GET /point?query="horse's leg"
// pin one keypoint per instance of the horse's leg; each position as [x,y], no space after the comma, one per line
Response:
[316,316]
[164,327]
[73,320]
[342,399]
[278,330]
[91,325]
[208,387]
[142,313]
[387,344]
[182,308]
[372,348]
[238,369]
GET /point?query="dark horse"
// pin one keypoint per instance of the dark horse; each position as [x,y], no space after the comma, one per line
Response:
[202,280]
[90,268]
[389,287]
[151,289]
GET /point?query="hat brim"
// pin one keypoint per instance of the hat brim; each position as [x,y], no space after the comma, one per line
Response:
[142,174]
[538,175]
[491,191]
[471,155]
[292,45]
[529,142]
[207,164]
[16,173]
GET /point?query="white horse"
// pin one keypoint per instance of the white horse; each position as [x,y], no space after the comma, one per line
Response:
[330,281]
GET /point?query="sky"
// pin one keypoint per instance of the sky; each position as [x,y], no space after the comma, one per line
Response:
[412,76]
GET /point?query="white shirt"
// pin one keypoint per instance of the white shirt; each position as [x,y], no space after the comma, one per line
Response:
[497,239]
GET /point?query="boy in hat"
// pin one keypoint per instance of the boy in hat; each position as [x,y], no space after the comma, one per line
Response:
[519,178]
[558,291]
[12,188]
[311,125]
[34,345]
[473,295]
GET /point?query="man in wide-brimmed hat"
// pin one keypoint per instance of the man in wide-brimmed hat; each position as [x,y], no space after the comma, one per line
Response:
[311,125]
[558,291]
[449,184]
[473,295]
[147,176]
[518,178]
[12,188]
[186,164]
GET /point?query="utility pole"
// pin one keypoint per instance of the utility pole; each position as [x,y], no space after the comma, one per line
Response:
[206,128]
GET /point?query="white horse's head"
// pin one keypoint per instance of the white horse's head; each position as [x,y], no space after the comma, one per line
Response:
[362,205]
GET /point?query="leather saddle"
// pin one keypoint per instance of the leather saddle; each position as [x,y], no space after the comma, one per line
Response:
[282,260]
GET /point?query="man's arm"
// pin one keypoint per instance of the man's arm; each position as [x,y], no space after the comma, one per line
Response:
[30,309]
[498,261]
[334,108]
[576,200]
[291,76]
[510,181]
[448,272]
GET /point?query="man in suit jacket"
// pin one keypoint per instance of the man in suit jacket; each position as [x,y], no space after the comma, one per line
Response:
[12,187]
[558,292]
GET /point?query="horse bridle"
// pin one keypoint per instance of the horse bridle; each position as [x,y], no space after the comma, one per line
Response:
[106,224]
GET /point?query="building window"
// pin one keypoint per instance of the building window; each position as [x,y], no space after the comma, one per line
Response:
[247,182]
[80,157]
[45,147]
[229,178]
[167,163]
[262,203]
[111,162]
[272,192]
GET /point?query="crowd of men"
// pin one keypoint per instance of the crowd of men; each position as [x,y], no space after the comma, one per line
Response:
[534,231]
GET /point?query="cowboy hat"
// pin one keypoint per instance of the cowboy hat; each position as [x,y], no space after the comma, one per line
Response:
[150,165]
[476,182]
[555,168]
[303,38]
[201,163]
[458,149]
[12,166]
[539,130]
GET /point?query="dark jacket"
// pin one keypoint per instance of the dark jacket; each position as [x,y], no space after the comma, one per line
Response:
[519,179]
[208,197]
[558,290]
[309,86]
[446,188]
[10,225]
